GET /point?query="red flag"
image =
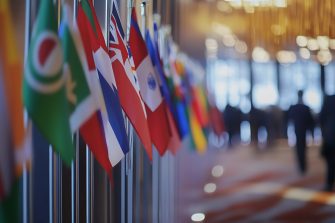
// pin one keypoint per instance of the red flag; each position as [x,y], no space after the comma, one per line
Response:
[149,88]
[126,82]
[92,131]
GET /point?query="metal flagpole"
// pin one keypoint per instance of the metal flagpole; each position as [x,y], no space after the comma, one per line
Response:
[25,186]
[75,163]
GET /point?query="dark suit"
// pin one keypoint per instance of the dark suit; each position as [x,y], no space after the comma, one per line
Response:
[302,119]
[232,118]
[327,121]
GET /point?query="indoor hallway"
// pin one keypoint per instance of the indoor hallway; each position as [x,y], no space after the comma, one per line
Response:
[255,186]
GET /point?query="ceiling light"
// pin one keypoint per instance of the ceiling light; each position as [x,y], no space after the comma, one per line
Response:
[285,56]
[312,44]
[304,53]
[260,55]
[324,57]
[302,41]
[323,42]
[241,47]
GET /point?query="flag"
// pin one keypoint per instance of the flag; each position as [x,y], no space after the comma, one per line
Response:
[149,88]
[126,81]
[112,116]
[13,150]
[9,202]
[81,100]
[175,141]
[199,104]
[44,84]
[197,134]
[12,78]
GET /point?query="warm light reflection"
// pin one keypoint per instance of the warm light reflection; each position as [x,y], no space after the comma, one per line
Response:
[217,171]
[241,47]
[304,53]
[324,56]
[302,41]
[260,55]
[210,188]
[332,44]
[258,3]
[284,56]
[312,44]
[228,40]
[198,217]
[323,42]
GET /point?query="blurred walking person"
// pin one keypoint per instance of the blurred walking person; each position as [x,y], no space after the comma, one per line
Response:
[327,122]
[301,116]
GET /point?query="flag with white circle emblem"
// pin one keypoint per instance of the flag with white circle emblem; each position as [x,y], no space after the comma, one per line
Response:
[149,88]
[44,83]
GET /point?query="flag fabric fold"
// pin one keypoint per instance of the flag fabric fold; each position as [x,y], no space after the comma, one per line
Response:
[149,88]
[175,141]
[93,131]
[112,116]
[126,81]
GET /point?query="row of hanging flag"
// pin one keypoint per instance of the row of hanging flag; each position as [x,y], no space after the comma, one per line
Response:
[75,82]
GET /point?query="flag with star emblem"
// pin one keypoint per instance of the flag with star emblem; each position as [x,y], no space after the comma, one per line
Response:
[149,88]
[130,98]
[44,92]
[112,116]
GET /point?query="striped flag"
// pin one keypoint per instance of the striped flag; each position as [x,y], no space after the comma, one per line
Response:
[149,88]
[93,131]
[126,81]
[114,125]
[175,141]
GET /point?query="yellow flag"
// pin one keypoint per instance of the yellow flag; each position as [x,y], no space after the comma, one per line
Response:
[11,63]
[198,135]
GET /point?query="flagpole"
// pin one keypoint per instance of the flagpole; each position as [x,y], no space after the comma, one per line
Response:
[25,190]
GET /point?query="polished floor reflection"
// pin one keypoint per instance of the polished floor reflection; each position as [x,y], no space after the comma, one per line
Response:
[248,185]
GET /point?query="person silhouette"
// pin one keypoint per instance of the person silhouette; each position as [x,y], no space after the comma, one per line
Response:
[301,116]
[327,122]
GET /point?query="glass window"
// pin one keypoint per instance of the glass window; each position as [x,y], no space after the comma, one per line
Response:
[265,90]
[330,79]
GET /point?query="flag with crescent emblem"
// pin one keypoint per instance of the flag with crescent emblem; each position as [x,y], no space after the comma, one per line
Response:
[44,92]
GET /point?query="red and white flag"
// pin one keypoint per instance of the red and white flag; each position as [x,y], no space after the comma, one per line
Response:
[149,88]
[126,81]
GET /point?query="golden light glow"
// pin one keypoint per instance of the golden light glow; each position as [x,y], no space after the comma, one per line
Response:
[324,57]
[260,55]
[323,42]
[312,44]
[304,53]
[241,47]
[302,41]
[286,57]
[228,40]
[332,44]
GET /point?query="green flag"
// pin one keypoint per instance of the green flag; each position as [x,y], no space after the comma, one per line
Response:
[44,92]
[81,101]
